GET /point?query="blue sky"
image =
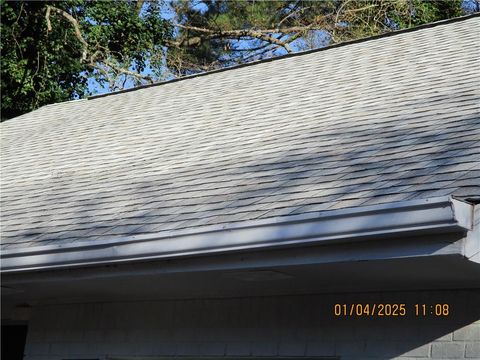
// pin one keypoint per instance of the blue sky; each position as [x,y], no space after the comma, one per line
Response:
[298,45]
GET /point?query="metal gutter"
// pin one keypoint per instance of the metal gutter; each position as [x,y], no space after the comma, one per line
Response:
[428,216]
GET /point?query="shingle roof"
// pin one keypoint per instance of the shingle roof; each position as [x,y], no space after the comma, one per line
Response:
[388,119]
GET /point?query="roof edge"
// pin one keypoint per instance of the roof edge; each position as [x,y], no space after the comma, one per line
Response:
[300,53]
[426,216]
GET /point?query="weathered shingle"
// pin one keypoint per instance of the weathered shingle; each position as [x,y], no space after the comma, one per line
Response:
[383,120]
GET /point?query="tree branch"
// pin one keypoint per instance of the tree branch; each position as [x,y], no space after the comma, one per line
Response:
[243,31]
[73,21]
[258,34]
[139,5]
[120,70]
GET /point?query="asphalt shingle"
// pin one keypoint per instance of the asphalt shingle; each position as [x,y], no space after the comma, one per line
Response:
[387,119]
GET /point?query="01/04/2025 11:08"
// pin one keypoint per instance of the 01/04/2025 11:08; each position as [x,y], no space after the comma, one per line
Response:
[391,310]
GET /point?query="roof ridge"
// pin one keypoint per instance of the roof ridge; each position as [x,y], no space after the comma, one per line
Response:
[300,53]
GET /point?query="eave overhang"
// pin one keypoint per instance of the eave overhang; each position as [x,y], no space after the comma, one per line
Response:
[407,218]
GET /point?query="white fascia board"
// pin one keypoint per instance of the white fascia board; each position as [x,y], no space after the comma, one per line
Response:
[436,215]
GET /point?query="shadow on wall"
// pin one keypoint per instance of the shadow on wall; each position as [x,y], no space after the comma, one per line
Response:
[263,326]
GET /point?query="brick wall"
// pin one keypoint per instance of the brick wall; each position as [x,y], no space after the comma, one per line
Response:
[262,326]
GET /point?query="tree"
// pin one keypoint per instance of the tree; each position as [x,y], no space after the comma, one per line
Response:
[54,51]
[218,33]
[50,50]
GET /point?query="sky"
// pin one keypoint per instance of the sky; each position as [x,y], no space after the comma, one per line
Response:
[298,45]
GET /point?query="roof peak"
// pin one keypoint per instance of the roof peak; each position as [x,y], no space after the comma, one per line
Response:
[300,53]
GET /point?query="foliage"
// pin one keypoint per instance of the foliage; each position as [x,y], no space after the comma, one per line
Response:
[44,60]
[292,25]
[36,68]
[54,51]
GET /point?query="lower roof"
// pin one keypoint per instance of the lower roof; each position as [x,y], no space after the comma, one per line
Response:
[389,119]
